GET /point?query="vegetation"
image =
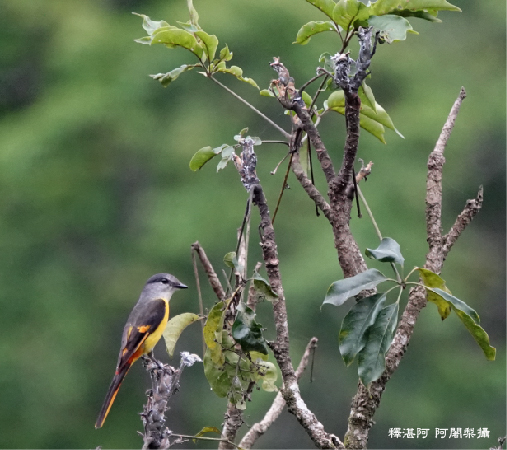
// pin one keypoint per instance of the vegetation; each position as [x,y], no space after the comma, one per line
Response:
[98,196]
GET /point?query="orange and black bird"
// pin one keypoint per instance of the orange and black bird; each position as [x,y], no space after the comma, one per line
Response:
[142,331]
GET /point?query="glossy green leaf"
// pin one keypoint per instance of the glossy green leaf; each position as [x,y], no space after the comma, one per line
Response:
[263,287]
[210,42]
[478,333]
[175,327]
[201,157]
[247,332]
[392,27]
[326,6]
[167,78]
[342,290]
[379,115]
[431,279]
[310,29]
[306,98]
[387,251]
[371,359]
[361,316]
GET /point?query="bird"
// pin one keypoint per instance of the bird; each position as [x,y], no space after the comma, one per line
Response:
[143,329]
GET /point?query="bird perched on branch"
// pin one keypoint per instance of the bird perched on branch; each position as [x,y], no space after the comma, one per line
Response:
[142,331]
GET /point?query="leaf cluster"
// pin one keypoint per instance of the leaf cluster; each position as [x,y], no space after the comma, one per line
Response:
[368,328]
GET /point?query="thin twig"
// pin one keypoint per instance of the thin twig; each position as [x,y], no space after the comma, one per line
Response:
[201,306]
[208,268]
[253,108]
[284,184]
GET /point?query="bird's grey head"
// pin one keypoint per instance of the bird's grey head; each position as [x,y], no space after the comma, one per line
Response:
[162,285]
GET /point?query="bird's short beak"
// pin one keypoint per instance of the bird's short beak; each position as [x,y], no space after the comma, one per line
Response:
[182,286]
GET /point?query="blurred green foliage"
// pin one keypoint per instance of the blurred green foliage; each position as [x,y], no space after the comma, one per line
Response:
[97,195]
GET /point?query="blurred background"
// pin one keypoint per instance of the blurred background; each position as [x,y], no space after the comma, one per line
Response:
[96,196]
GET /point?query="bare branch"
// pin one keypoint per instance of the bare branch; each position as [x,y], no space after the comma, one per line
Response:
[253,108]
[232,423]
[436,162]
[472,207]
[208,268]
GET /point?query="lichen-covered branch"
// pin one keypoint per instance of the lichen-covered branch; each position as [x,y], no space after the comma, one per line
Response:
[232,423]
[245,164]
[366,402]
[472,207]
[164,384]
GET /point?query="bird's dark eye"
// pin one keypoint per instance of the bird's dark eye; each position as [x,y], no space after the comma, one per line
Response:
[164,280]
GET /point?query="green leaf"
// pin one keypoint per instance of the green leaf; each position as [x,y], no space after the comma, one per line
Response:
[267,93]
[419,14]
[382,7]
[379,115]
[393,28]
[306,98]
[387,251]
[371,121]
[478,333]
[326,6]
[212,333]
[194,17]
[345,12]
[217,378]
[366,96]
[456,303]
[431,279]
[238,73]
[225,54]
[151,25]
[361,316]
[310,29]
[371,359]
[166,78]
[231,261]
[201,157]
[328,63]
[175,327]
[227,153]
[247,332]
[342,290]
[206,430]
[173,37]
[263,287]
[210,42]
[268,375]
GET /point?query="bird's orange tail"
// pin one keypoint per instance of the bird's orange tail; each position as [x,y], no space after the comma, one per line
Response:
[111,394]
